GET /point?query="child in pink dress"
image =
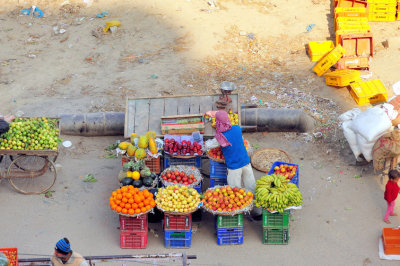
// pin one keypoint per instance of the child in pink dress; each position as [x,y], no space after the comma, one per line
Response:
[391,192]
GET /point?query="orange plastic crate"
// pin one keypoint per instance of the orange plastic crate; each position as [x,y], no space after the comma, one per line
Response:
[391,240]
[11,254]
[359,44]
[350,3]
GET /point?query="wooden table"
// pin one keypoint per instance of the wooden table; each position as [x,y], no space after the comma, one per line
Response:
[144,114]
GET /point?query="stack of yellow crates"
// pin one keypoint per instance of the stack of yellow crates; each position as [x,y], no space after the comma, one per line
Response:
[398,10]
[382,10]
[351,22]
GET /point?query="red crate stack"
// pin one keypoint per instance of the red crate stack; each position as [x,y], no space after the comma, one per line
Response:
[177,222]
[134,231]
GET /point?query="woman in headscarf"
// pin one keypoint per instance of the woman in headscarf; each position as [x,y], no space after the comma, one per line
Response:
[236,158]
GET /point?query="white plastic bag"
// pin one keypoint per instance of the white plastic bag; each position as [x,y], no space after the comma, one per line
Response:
[371,124]
[389,109]
[365,147]
[349,115]
[351,138]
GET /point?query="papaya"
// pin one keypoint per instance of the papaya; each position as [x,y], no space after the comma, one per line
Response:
[150,134]
[152,146]
[131,150]
[133,137]
[123,145]
[140,153]
[143,142]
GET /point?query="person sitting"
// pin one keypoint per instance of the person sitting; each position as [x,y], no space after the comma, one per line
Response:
[63,255]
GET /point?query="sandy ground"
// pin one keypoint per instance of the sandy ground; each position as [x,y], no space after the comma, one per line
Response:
[188,47]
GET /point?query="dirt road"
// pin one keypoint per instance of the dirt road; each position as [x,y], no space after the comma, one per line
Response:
[188,47]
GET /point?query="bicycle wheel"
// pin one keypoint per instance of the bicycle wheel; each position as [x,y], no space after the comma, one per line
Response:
[31,174]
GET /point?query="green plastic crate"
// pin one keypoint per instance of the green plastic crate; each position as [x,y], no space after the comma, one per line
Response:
[275,236]
[229,221]
[275,219]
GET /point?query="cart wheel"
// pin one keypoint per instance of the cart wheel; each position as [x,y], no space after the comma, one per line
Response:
[31,174]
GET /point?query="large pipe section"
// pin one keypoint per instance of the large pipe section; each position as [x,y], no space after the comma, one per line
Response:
[252,120]
[276,120]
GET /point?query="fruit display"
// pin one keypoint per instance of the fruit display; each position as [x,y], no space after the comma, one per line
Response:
[288,171]
[187,148]
[227,199]
[31,134]
[129,200]
[217,154]
[138,145]
[233,118]
[178,199]
[274,193]
[181,175]
[137,174]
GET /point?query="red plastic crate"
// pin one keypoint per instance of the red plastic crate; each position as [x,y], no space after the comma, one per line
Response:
[139,224]
[153,163]
[177,222]
[391,240]
[132,240]
[11,254]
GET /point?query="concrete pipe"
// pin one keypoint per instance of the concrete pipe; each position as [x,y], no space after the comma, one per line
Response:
[93,124]
[276,120]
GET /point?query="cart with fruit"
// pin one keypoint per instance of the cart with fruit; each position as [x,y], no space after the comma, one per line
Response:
[28,152]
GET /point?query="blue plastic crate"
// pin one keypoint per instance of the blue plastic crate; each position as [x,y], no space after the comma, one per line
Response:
[178,239]
[218,170]
[230,236]
[218,181]
[295,179]
[169,160]
[198,187]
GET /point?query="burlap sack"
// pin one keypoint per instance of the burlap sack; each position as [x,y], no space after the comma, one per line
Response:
[387,146]
[396,104]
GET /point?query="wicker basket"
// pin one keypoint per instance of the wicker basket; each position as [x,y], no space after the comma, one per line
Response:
[263,159]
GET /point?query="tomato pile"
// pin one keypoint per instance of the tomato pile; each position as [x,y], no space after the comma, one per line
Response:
[178,177]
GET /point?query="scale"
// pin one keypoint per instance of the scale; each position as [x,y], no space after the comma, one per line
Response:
[226,88]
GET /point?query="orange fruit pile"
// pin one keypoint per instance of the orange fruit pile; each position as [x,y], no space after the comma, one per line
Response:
[130,200]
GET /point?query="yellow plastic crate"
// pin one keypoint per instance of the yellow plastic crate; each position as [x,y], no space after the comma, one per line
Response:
[368,92]
[339,33]
[350,12]
[329,60]
[351,21]
[382,7]
[353,27]
[342,78]
[382,1]
[317,50]
[382,16]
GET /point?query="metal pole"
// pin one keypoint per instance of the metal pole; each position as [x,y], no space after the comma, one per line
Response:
[184,259]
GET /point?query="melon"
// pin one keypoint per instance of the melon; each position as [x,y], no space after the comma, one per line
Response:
[150,134]
[131,150]
[143,142]
[140,153]
[152,146]
[123,145]
[133,137]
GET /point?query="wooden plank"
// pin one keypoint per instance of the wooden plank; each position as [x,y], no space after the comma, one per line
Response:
[170,107]
[142,116]
[194,105]
[129,118]
[183,105]
[206,105]
[156,112]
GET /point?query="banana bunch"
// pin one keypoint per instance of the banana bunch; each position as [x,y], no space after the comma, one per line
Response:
[275,193]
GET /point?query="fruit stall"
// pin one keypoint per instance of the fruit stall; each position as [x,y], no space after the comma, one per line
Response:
[162,176]
[28,152]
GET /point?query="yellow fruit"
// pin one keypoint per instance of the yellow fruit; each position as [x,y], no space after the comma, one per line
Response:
[133,137]
[143,142]
[152,146]
[150,134]
[123,145]
[140,153]
[131,150]
[135,175]
[129,174]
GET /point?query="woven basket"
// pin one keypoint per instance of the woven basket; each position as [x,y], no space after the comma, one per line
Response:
[176,213]
[263,159]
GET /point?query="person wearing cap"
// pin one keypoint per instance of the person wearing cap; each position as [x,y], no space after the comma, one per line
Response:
[237,160]
[63,255]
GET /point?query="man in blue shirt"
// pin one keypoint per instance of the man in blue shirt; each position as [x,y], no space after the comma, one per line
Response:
[236,157]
